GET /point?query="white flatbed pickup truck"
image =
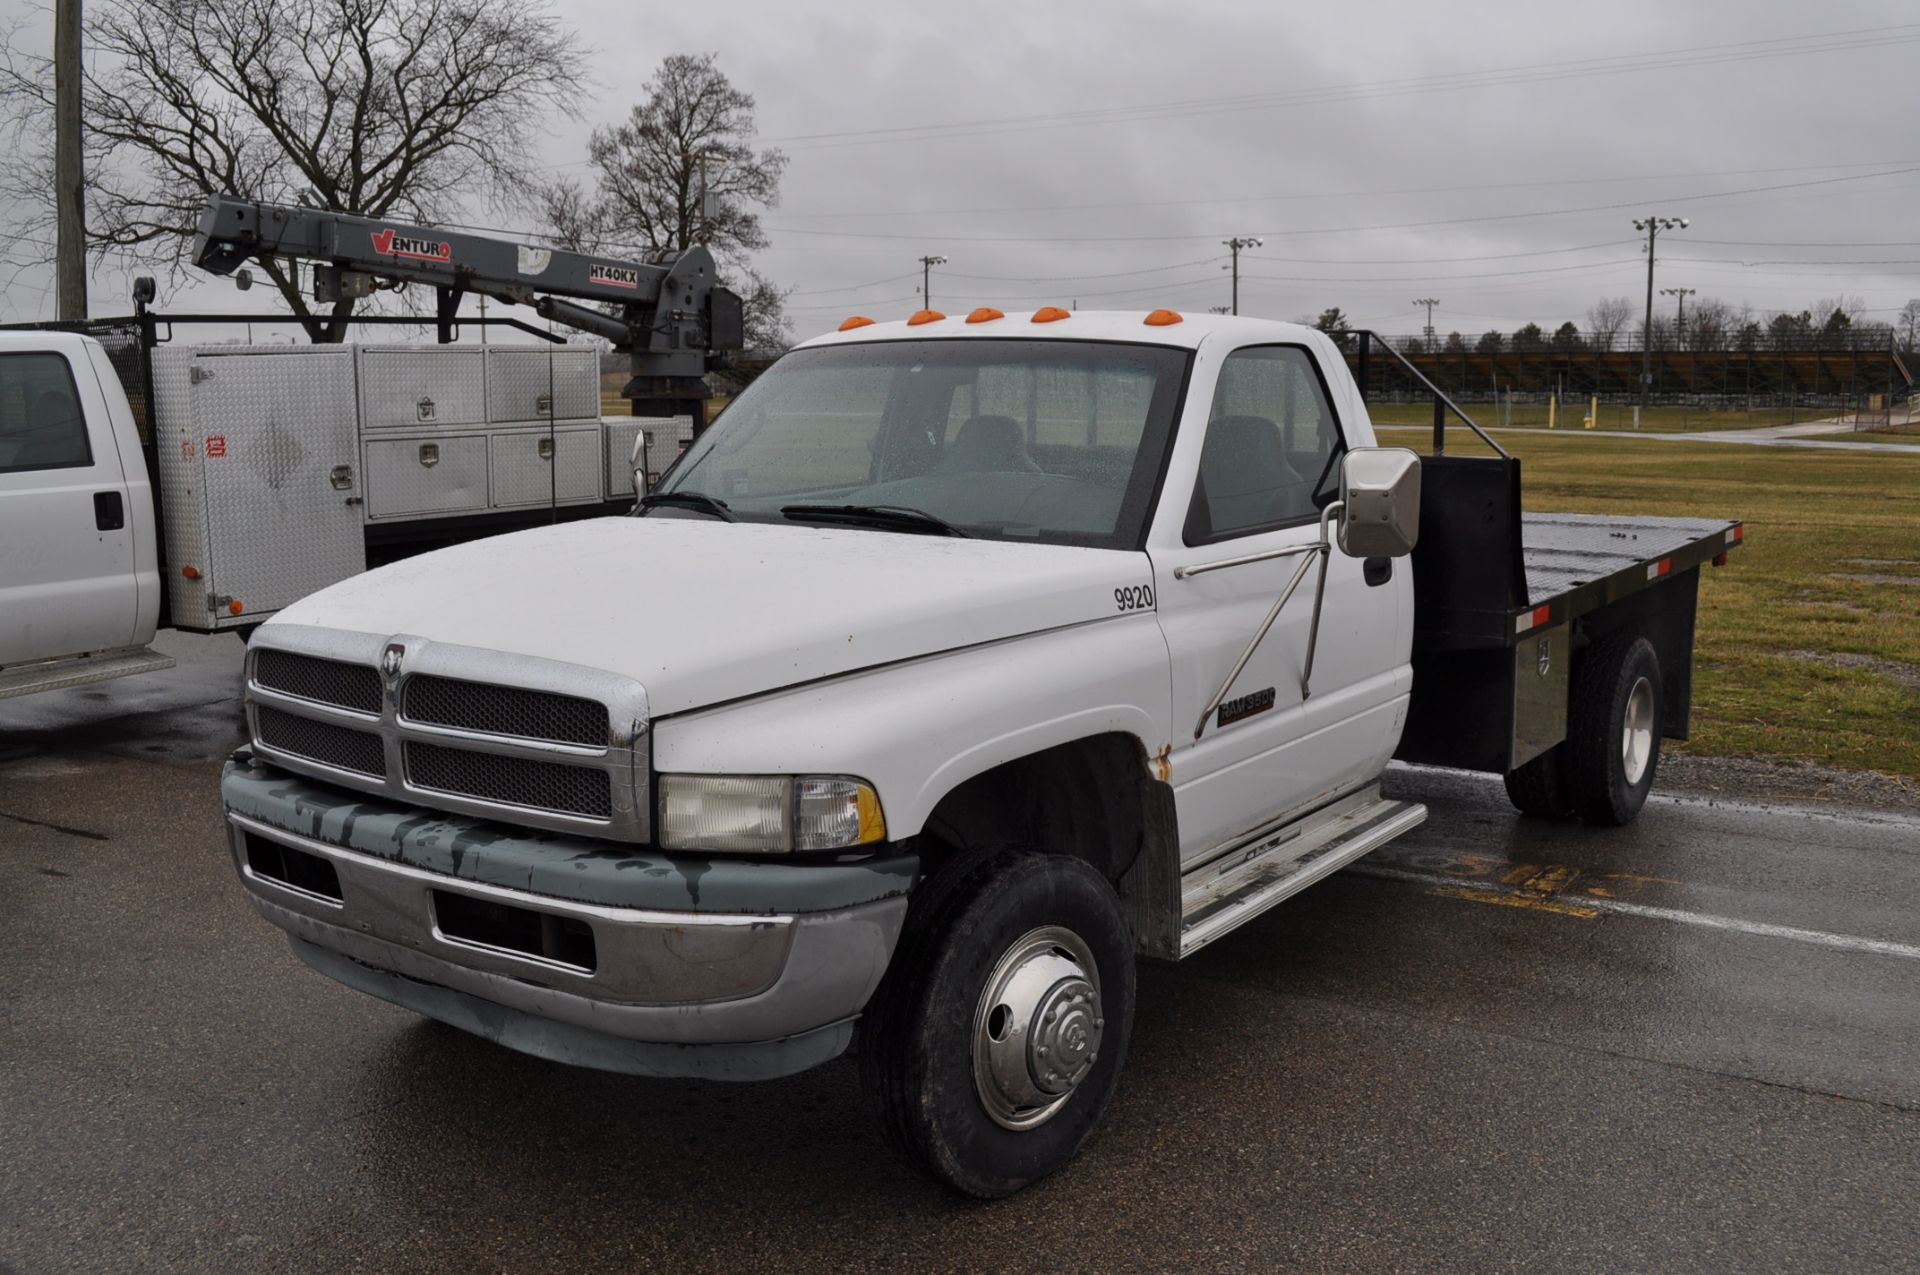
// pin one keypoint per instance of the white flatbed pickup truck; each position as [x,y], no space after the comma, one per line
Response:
[959,663]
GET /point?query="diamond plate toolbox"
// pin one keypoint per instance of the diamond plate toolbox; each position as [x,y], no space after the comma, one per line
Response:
[421,477]
[259,486]
[531,468]
[422,387]
[542,384]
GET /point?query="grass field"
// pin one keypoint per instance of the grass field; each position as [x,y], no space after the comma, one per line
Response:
[1809,639]
[1659,420]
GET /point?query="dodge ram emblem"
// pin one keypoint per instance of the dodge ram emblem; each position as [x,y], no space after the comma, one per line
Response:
[390,660]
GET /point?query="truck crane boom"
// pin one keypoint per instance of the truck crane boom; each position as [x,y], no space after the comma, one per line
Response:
[673,318]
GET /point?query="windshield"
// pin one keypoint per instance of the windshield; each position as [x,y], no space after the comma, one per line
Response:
[1052,441]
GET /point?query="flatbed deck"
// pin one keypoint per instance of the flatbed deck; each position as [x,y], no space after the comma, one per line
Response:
[1576,563]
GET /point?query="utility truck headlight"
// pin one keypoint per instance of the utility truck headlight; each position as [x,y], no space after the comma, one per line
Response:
[767,814]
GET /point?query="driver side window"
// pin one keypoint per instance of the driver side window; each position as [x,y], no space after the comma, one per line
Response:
[1272,445]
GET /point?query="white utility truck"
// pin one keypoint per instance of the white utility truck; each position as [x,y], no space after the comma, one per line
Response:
[961,662]
[146,481]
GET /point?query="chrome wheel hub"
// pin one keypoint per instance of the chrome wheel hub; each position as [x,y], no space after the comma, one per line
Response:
[1037,1027]
[1636,733]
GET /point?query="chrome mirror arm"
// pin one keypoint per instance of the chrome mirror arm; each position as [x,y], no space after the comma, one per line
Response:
[1321,551]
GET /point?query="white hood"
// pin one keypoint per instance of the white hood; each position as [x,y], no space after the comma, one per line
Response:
[702,611]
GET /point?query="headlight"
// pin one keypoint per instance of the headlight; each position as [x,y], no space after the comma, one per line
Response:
[767,814]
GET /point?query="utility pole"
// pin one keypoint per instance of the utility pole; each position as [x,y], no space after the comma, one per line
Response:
[1680,323]
[1653,226]
[1428,302]
[926,279]
[69,181]
[1235,245]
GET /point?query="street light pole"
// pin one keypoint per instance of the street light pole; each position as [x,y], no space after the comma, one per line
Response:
[926,279]
[1428,302]
[1235,245]
[1653,226]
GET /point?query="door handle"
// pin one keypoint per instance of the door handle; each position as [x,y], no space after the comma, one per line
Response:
[109,511]
[1377,571]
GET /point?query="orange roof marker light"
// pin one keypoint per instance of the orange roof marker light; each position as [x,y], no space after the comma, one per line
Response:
[925,316]
[1050,314]
[985,314]
[856,321]
[1163,319]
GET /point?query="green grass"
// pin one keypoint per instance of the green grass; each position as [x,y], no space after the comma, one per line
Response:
[1659,420]
[1809,639]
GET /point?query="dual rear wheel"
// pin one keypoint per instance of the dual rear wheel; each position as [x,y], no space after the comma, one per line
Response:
[1604,769]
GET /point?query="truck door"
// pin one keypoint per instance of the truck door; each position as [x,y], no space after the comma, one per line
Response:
[67,582]
[1269,464]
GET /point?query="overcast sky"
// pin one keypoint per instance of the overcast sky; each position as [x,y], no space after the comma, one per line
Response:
[1490,155]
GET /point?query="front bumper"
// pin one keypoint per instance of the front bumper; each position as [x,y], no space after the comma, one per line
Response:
[695,967]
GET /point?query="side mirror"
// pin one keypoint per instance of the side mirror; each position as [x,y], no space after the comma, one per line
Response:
[1380,502]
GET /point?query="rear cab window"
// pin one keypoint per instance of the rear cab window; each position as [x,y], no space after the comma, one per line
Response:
[41,425]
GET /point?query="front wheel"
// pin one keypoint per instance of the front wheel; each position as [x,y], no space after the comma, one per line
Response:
[994,1043]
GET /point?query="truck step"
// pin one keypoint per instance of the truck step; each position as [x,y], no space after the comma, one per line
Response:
[102,666]
[1235,887]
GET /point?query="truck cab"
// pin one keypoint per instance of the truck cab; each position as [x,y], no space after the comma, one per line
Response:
[79,588]
[958,664]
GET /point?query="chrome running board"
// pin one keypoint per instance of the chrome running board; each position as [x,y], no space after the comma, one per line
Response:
[53,675]
[1233,888]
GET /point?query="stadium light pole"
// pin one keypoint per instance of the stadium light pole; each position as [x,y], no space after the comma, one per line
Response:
[1680,323]
[1235,245]
[1428,302]
[926,279]
[1653,226]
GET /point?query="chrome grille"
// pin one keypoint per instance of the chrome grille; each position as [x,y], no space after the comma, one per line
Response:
[513,781]
[352,686]
[505,710]
[341,747]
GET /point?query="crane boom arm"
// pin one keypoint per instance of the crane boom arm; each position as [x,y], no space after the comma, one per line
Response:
[672,317]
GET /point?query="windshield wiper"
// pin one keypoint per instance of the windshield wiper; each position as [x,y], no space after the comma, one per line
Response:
[690,500]
[895,517]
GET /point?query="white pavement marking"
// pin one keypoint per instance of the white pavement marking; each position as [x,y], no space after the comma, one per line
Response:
[1706,920]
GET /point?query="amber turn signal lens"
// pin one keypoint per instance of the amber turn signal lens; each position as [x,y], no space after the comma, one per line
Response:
[1050,314]
[234,607]
[985,314]
[1162,319]
[925,316]
[191,573]
[856,321]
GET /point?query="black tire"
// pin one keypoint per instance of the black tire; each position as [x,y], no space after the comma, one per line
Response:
[1539,788]
[917,1058]
[1597,769]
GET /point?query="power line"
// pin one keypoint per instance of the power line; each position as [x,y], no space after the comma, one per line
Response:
[1741,51]
[1346,194]
[1336,230]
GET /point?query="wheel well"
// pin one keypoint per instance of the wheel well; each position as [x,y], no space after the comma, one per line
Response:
[1082,798]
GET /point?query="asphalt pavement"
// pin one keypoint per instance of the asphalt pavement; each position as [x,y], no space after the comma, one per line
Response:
[1499,1045]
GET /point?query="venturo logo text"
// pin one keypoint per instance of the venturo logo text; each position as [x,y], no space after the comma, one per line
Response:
[390,243]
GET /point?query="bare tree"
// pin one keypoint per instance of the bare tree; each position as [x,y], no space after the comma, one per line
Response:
[383,108]
[1605,320]
[1910,323]
[1708,324]
[691,133]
